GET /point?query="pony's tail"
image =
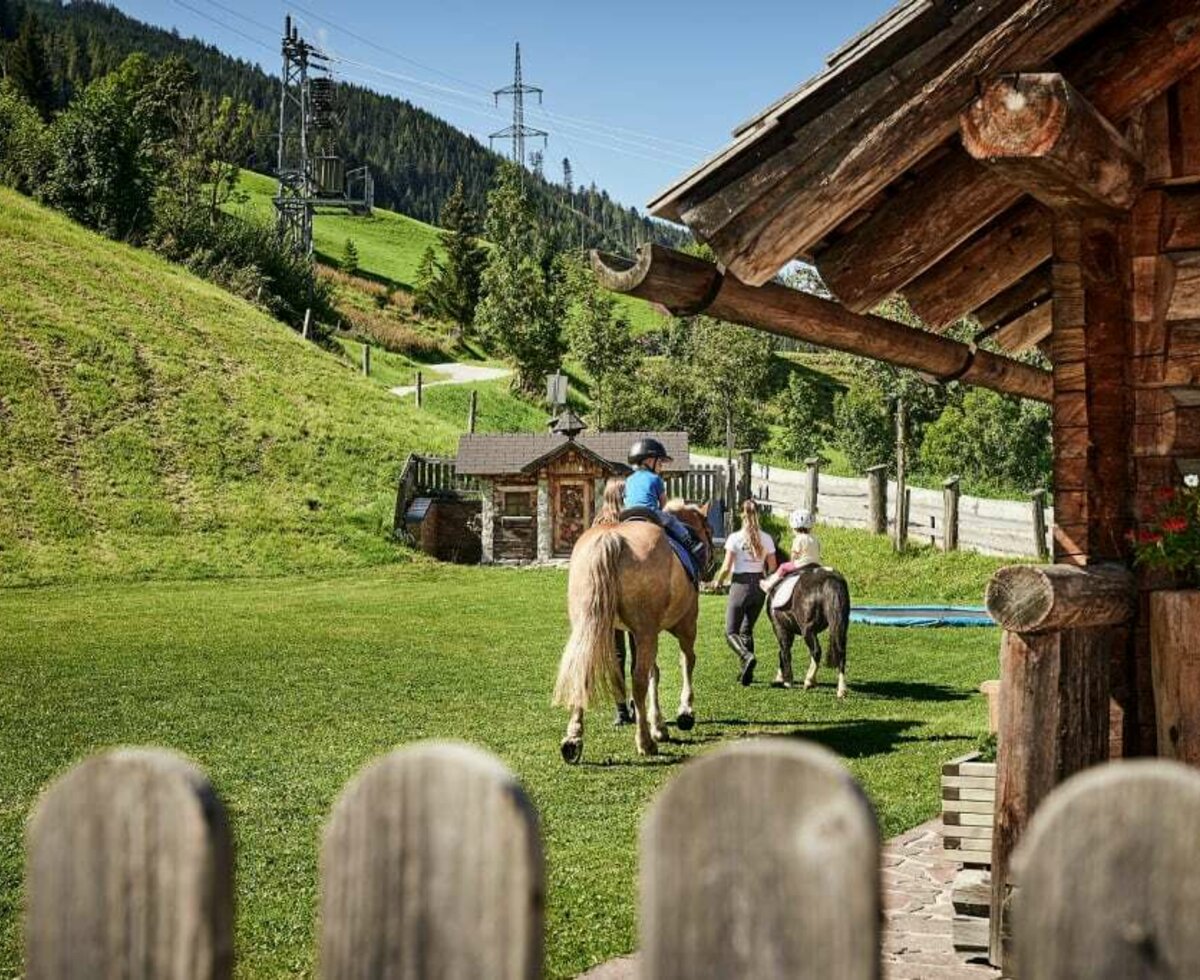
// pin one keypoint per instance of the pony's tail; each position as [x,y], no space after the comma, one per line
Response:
[837,613]
[589,660]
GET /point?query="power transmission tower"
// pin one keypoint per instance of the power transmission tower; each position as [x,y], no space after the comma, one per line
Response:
[310,172]
[518,130]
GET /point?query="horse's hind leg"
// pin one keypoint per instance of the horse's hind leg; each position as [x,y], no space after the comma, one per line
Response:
[657,730]
[647,656]
[572,745]
[814,655]
[785,637]
[686,635]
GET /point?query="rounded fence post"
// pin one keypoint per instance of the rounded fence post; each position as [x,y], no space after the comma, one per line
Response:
[812,467]
[950,495]
[431,866]
[129,873]
[420,388]
[761,860]
[745,476]
[877,499]
[366,359]
[472,409]
[1038,503]
[1108,877]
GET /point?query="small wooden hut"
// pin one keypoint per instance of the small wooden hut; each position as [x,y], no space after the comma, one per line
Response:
[1034,164]
[540,492]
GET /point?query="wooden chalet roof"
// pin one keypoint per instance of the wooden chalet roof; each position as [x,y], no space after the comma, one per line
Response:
[862,169]
[517,453]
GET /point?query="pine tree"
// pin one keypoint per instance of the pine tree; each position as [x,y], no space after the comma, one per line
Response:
[457,288]
[428,273]
[349,261]
[29,69]
[520,309]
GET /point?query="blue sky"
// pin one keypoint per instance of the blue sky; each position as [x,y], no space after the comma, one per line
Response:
[636,93]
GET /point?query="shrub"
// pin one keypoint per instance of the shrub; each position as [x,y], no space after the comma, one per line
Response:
[24,142]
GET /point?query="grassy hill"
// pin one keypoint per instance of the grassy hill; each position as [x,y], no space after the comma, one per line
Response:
[390,245]
[153,425]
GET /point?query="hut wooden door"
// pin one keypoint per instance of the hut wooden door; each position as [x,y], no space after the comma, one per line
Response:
[572,512]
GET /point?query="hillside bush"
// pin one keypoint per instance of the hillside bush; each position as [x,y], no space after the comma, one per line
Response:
[24,142]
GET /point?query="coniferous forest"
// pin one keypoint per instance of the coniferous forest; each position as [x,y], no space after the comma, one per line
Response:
[415,157]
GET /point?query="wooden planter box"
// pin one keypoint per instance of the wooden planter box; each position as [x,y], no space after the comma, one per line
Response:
[1175,664]
[968,803]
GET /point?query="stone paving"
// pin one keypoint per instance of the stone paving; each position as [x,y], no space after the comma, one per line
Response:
[917,915]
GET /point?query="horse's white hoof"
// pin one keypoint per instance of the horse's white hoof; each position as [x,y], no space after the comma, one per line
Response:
[650,748]
[572,750]
[841,695]
[660,735]
[808,685]
[685,721]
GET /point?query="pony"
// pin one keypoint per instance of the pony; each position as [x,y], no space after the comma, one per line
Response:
[628,577]
[819,601]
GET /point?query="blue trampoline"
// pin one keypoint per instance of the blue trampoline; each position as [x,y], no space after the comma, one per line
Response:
[921,616]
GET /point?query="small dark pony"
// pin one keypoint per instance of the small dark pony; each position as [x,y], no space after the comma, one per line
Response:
[820,601]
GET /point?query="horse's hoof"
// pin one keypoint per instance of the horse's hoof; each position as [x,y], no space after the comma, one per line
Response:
[782,684]
[660,735]
[572,751]
[809,685]
[841,695]
[623,716]
[685,721]
[649,749]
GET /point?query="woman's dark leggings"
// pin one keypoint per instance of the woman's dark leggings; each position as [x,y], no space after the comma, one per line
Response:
[746,600]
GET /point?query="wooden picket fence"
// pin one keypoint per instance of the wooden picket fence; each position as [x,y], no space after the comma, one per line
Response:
[759,860]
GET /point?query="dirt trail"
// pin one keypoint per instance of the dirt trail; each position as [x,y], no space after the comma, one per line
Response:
[455,374]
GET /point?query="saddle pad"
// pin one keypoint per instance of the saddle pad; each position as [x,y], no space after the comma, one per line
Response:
[782,595]
[783,591]
[682,554]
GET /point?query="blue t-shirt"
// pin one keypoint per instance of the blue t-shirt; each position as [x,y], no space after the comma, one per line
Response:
[643,488]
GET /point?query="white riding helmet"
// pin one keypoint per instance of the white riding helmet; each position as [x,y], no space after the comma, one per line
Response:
[800,520]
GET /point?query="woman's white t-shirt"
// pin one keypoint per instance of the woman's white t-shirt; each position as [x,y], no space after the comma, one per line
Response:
[737,544]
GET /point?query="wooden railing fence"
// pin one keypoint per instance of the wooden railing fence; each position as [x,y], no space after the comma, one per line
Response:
[424,475]
[699,484]
[760,860]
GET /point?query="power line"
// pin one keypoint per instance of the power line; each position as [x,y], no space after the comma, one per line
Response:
[240,16]
[222,24]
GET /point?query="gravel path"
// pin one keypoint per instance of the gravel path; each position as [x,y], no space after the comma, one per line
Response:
[916,911]
[455,374]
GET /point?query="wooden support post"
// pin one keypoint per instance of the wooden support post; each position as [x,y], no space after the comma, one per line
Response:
[1055,678]
[1053,723]
[1038,506]
[366,360]
[1174,644]
[900,536]
[950,494]
[877,499]
[1040,134]
[304,332]
[745,476]
[420,388]
[472,408]
[812,467]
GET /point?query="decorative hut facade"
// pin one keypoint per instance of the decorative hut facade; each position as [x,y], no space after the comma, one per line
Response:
[1034,164]
[540,492]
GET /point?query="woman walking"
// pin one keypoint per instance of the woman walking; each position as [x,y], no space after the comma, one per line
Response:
[748,552]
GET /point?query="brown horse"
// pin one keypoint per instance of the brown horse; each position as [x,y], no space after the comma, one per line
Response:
[627,576]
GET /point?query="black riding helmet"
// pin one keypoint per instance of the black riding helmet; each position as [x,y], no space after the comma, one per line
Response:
[645,449]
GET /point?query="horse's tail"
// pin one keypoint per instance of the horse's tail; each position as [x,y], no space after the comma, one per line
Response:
[837,615]
[589,660]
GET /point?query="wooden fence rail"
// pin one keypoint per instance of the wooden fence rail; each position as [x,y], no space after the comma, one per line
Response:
[760,860]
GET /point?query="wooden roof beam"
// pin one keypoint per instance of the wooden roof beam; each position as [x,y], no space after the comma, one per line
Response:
[1038,133]
[976,271]
[1028,330]
[793,195]
[1131,61]
[689,286]
[1014,301]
